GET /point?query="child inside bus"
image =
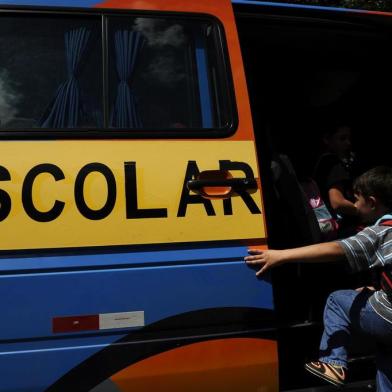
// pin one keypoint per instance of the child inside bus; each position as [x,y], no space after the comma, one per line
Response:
[334,174]
[366,311]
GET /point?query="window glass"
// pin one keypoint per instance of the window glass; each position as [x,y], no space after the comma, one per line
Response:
[50,72]
[163,74]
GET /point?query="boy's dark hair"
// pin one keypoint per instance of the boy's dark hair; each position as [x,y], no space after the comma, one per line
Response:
[376,182]
[333,127]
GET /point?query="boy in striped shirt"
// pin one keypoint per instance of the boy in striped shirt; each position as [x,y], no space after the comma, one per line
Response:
[366,311]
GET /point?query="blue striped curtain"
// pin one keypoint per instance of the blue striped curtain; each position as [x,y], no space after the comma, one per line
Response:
[128,45]
[65,108]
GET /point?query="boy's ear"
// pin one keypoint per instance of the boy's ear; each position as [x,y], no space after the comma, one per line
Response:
[372,201]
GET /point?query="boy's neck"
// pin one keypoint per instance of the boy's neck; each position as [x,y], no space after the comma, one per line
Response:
[382,212]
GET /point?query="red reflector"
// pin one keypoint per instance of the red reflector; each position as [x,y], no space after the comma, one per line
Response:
[75,323]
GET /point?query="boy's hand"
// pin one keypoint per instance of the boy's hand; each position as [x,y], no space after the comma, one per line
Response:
[265,258]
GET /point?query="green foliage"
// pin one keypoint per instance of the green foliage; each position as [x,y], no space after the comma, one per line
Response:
[378,5]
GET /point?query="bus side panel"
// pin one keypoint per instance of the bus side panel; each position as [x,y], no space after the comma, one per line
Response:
[174,299]
[202,317]
[159,292]
[226,365]
[231,364]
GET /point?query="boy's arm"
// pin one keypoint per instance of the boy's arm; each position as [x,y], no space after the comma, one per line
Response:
[339,203]
[325,252]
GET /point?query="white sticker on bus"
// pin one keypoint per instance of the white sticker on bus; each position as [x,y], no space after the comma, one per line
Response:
[121,320]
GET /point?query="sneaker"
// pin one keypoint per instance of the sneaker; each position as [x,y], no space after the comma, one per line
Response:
[334,374]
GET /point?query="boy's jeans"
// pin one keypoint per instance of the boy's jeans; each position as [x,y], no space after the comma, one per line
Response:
[348,312]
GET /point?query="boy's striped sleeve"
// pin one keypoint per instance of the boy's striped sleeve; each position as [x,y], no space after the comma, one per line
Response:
[362,250]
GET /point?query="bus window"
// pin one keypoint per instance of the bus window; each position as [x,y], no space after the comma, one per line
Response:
[166,69]
[50,71]
[162,73]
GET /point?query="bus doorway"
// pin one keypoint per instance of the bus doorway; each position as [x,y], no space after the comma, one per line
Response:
[306,69]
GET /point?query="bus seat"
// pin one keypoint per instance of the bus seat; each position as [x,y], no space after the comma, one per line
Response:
[300,218]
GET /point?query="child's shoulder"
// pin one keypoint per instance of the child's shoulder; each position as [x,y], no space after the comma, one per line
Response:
[384,224]
[383,228]
[377,232]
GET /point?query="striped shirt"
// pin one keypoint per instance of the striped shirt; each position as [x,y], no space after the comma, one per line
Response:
[369,249]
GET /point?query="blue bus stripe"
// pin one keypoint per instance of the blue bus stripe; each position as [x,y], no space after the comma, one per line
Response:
[25,264]
[54,3]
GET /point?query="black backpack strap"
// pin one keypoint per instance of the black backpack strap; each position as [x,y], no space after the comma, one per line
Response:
[386,282]
[386,274]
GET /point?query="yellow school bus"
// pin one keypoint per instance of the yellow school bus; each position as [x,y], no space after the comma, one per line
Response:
[129,194]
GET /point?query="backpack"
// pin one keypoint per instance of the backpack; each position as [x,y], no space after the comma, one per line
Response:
[328,224]
[386,274]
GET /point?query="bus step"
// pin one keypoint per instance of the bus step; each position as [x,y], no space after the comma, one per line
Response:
[359,386]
